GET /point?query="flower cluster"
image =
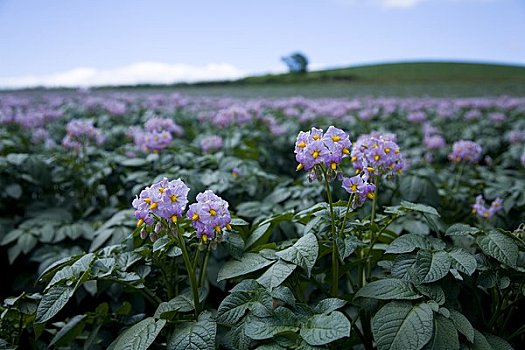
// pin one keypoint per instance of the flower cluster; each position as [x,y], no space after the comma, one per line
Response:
[360,187]
[209,215]
[479,208]
[315,147]
[157,135]
[81,132]
[377,154]
[432,137]
[211,143]
[165,199]
[156,124]
[465,150]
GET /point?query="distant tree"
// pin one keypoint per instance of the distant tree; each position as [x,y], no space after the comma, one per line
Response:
[296,62]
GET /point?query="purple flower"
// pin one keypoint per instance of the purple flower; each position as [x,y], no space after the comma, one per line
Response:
[314,147]
[209,215]
[211,143]
[156,141]
[166,199]
[81,132]
[377,154]
[359,186]
[417,117]
[434,142]
[163,124]
[480,209]
[465,150]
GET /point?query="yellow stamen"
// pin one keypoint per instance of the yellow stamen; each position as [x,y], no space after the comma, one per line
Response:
[299,167]
[370,169]
[195,217]
[140,222]
[354,188]
[486,215]
[375,145]
[336,138]
[333,166]
[346,151]
[370,195]
[301,144]
[392,166]
[377,157]
[473,211]
[357,171]
[217,229]
[174,218]
[173,198]
[387,150]
[153,206]
[228,227]
[316,137]
[205,238]
[213,212]
[315,154]
[147,200]
[162,189]
[353,159]
[396,151]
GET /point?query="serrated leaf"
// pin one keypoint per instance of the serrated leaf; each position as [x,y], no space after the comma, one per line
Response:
[323,329]
[407,243]
[463,261]
[461,230]
[402,326]
[462,325]
[432,267]
[52,302]
[303,253]
[198,335]
[249,262]
[445,336]
[139,336]
[500,247]
[276,274]
[388,288]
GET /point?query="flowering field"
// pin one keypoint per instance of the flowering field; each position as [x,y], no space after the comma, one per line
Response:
[142,220]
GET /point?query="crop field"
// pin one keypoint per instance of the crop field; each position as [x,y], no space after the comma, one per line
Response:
[136,219]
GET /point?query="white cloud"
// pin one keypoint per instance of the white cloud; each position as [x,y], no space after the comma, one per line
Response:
[137,73]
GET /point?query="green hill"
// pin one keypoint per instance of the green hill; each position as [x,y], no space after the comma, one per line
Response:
[402,72]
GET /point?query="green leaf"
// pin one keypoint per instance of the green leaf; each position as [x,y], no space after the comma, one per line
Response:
[323,329]
[461,230]
[139,336]
[347,246]
[11,236]
[257,234]
[303,253]
[52,302]
[234,243]
[198,335]
[402,326]
[422,208]
[250,262]
[328,305]
[181,303]
[266,328]
[497,343]
[462,325]
[235,305]
[14,191]
[402,265]
[388,288]
[480,342]
[27,242]
[407,243]
[463,261]
[445,335]
[69,331]
[432,267]
[500,247]
[433,291]
[276,274]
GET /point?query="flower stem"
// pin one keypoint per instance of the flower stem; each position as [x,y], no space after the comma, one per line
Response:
[341,230]
[204,268]
[191,274]
[335,261]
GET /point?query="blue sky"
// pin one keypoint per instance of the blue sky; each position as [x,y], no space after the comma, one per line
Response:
[93,42]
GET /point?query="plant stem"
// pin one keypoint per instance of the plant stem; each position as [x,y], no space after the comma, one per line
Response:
[204,268]
[341,230]
[374,202]
[335,261]
[191,274]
